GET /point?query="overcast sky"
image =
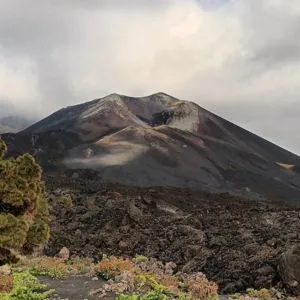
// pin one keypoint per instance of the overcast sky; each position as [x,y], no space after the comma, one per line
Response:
[238,58]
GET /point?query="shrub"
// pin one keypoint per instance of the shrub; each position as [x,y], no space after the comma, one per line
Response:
[110,267]
[253,294]
[154,291]
[149,282]
[79,265]
[26,287]
[140,259]
[66,201]
[199,287]
[55,267]
[24,212]
[49,266]
[152,295]
[262,294]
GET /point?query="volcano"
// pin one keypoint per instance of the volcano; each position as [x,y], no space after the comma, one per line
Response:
[159,140]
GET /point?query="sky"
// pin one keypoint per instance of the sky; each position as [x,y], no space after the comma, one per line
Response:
[238,58]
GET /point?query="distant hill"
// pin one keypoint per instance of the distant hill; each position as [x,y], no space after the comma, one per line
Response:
[13,124]
[6,129]
[160,141]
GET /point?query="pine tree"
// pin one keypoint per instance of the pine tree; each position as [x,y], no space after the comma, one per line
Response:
[24,211]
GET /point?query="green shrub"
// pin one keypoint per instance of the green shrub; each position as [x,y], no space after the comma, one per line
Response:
[152,295]
[66,201]
[140,259]
[79,265]
[26,287]
[262,294]
[24,214]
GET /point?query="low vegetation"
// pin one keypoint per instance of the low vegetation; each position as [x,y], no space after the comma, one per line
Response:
[253,294]
[55,267]
[140,278]
[143,278]
[23,286]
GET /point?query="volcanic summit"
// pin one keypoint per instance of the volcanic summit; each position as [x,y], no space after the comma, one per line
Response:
[159,140]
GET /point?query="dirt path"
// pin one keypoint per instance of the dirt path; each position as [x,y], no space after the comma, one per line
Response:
[73,288]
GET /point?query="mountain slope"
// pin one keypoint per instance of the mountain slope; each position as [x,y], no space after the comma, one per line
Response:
[160,140]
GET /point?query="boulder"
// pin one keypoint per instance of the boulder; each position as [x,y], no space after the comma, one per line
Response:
[64,254]
[289,269]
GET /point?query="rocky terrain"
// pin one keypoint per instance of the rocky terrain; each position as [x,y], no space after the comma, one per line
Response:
[168,179]
[234,241]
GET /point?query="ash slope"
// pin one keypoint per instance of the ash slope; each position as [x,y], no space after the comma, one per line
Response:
[161,141]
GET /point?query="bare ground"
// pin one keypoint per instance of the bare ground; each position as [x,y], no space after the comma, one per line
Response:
[74,288]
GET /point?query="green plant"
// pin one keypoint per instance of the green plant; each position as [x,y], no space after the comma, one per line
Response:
[184,297]
[152,295]
[24,214]
[55,267]
[253,294]
[66,201]
[153,289]
[26,287]
[79,265]
[140,259]
[262,294]
[150,281]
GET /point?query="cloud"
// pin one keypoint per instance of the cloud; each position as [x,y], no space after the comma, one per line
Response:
[238,58]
